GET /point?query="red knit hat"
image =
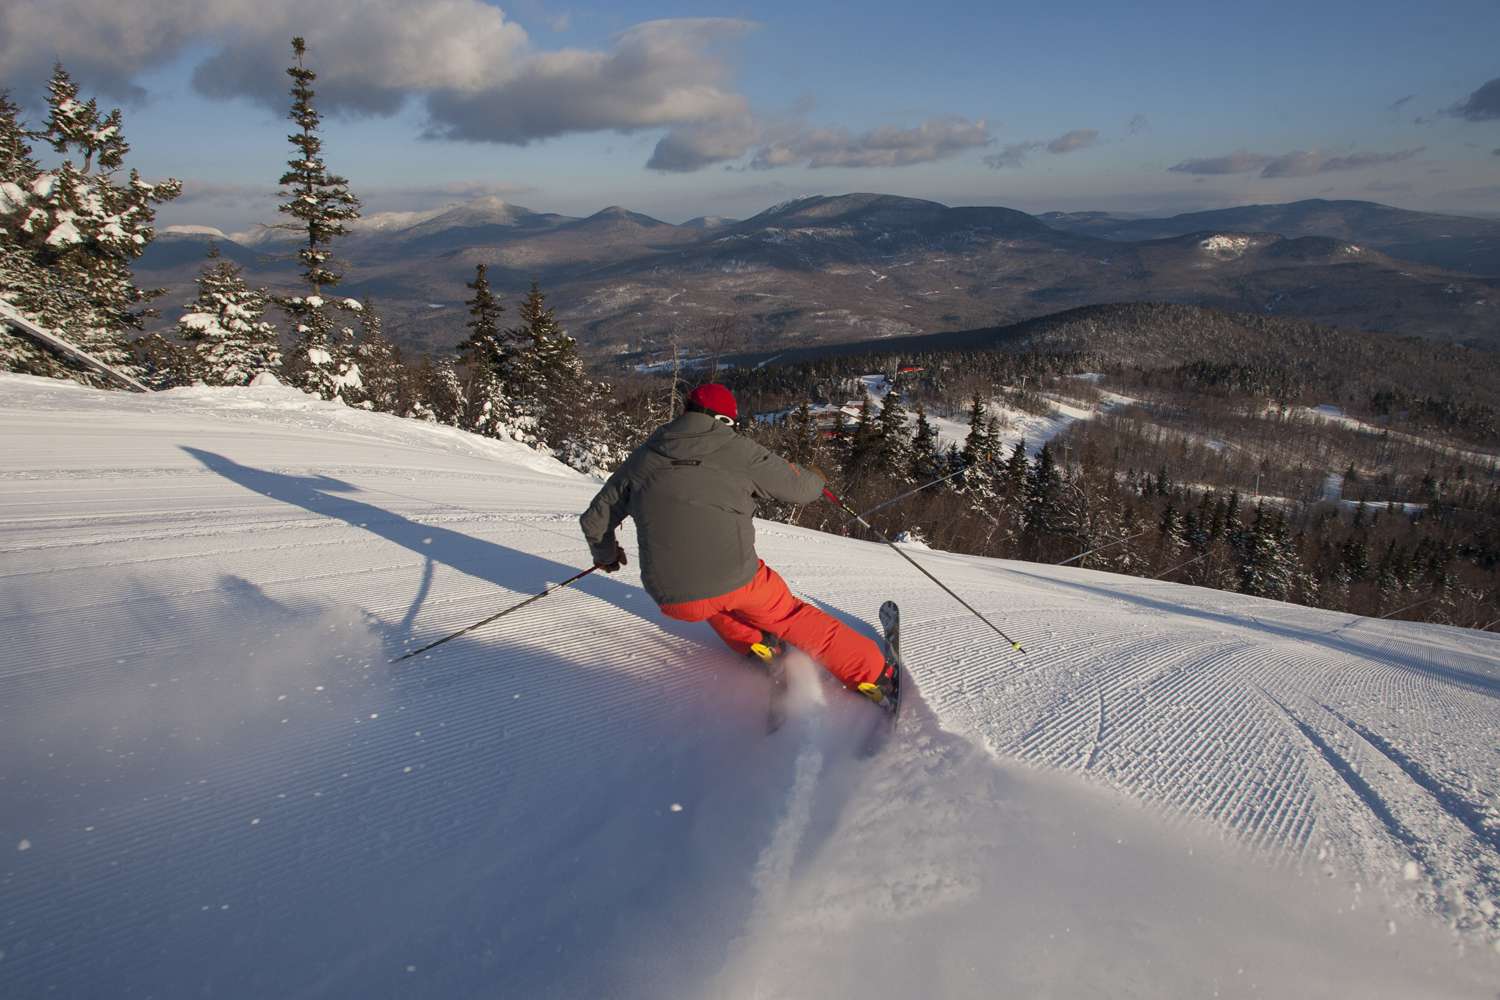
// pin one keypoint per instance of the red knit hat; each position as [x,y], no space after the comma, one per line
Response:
[714,398]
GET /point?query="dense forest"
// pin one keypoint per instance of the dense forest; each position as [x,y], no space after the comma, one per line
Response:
[1235,475]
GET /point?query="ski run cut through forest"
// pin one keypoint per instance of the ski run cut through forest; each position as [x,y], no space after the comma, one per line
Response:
[215,782]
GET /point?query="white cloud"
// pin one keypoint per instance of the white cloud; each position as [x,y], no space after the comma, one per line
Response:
[369,54]
[691,147]
[1238,162]
[1482,105]
[936,139]
[1298,163]
[661,73]
[1015,154]
[479,73]
[1079,138]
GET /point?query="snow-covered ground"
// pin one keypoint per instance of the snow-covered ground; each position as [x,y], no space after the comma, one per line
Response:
[1329,413]
[1015,425]
[213,781]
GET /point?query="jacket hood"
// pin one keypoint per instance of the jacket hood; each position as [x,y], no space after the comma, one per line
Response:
[691,436]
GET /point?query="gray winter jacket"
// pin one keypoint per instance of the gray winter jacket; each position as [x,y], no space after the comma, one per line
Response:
[692,489]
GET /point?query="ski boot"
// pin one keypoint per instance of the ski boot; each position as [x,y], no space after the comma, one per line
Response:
[883,691]
[767,649]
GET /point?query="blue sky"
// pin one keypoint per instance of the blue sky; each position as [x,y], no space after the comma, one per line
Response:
[680,109]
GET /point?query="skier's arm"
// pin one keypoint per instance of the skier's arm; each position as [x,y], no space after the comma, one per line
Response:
[778,479]
[603,516]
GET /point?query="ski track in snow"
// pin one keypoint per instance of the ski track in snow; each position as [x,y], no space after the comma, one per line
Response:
[202,741]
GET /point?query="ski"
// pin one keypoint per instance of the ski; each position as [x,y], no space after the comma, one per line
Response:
[776,712]
[769,651]
[890,627]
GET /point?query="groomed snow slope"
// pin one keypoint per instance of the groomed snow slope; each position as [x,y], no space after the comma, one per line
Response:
[213,782]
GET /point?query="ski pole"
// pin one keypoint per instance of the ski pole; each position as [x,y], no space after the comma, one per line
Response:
[1107,545]
[919,489]
[841,505]
[499,614]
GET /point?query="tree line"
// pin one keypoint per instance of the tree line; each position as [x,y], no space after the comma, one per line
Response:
[68,236]
[1134,496]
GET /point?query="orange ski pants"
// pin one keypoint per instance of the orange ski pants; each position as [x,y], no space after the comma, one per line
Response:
[766,605]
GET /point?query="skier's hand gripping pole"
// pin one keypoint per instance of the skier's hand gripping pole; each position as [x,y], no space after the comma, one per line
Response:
[841,505]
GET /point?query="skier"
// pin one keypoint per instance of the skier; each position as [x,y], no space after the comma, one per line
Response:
[692,489]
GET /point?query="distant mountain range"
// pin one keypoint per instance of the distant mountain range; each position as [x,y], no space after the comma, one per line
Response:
[832,269]
[1447,241]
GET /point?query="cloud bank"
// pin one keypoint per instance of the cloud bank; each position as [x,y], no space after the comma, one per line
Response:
[1015,154]
[1481,106]
[478,74]
[936,139]
[1298,163]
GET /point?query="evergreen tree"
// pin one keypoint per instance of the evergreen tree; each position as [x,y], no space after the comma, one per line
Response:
[441,393]
[484,353]
[804,436]
[553,402]
[320,204]
[977,443]
[163,363]
[380,366]
[1172,529]
[1044,512]
[1267,563]
[894,447]
[223,324]
[924,451]
[864,443]
[485,343]
[70,234]
[23,281]
[1017,473]
[16,163]
[531,374]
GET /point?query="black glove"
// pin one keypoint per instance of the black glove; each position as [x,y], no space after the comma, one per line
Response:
[615,563]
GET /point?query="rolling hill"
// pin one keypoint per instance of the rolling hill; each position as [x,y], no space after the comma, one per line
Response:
[830,269]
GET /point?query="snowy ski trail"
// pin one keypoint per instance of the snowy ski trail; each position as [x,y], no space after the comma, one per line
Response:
[213,780]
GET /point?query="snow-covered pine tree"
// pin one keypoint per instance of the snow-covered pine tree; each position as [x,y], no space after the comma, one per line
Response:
[484,355]
[320,204]
[442,392]
[226,328]
[804,436]
[69,234]
[975,443]
[1016,473]
[163,363]
[1268,565]
[1044,513]
[864,439]
[16,163]
[485,341]
[924,454]
[22,282]
[893,451]
[380,368]
[553,404]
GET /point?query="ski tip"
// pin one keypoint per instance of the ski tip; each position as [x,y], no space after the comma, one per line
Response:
[1017,647]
